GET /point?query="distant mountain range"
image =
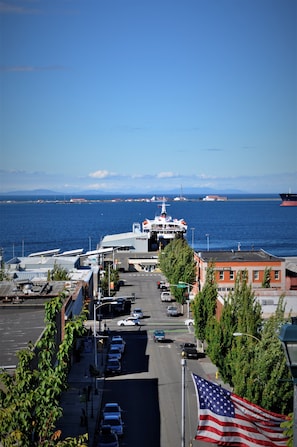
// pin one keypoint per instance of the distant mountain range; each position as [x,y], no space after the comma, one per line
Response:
[176,192]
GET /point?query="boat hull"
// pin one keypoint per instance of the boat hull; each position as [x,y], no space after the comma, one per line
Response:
[288,199]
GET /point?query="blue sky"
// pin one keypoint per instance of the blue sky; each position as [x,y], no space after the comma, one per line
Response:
[144,96]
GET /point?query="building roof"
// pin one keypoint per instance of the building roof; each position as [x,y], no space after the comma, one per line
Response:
[291,264]
[238,256]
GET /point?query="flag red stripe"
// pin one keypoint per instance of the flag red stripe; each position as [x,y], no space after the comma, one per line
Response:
[236,437]
[229,429]
[245,424]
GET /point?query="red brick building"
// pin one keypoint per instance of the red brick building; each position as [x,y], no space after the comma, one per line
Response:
[228,264]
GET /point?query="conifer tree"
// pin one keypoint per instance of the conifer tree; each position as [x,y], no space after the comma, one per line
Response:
[204,305]
[241,313]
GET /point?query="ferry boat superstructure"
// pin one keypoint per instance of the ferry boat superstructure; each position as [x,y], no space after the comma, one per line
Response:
[164,228]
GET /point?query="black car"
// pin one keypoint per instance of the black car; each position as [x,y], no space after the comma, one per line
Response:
[107,437]
[113,367]
[189,351]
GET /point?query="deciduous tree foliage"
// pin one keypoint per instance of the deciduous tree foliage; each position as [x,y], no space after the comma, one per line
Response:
[177,264]
[29,400]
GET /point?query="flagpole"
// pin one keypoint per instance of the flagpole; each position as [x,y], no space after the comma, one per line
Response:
[183,365]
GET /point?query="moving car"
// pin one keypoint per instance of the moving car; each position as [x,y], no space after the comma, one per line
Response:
[112,408]
[129,321]
[172,311]
[159,335]
[189,351]
[189,322]
[166,297]
[137,313]
[107,437]
[163,285]
[115,422]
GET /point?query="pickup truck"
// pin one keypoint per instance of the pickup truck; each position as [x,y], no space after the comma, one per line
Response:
[189,351]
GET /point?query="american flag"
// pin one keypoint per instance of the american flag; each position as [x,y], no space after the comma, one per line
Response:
[228,420]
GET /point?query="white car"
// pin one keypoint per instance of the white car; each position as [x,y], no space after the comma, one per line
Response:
[130,321]
[137,313]
[189,322]
[166,296]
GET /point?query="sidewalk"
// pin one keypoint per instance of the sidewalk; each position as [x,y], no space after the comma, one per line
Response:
[81,402]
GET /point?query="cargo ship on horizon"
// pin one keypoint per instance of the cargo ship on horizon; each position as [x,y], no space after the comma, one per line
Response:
[288,199]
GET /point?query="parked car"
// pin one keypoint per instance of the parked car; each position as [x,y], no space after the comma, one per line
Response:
[129,321]
[137,313]
[114,352]
[189,322]
[159,335]
[189,351]
[172,311]
[115,423]
[119,342]
[166,296]
[107,437]
[112,408]
[113,366]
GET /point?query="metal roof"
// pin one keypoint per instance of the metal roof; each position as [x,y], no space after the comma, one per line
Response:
[238,256]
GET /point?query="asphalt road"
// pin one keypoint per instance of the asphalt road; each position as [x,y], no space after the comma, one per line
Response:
[150,387]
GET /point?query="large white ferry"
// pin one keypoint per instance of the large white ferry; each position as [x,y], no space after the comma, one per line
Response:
[164,228]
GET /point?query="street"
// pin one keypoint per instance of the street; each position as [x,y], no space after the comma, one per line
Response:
[149,390]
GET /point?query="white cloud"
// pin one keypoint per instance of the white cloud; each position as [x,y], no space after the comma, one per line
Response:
[101,174]
[166,175]
[108,182]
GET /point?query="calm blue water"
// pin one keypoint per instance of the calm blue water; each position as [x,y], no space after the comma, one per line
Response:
[28,227]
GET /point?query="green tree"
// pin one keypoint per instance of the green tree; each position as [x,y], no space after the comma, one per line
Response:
[29,399]
[177,263]
[110,278]
[204,305]
[241,313]
[58,273]
[266,278]
[272,387]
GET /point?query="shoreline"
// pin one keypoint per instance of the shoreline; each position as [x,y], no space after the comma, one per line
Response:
[90,201]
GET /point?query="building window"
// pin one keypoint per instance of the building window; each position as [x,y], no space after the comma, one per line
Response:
[221,275]
[276,274]
[256,275]
[231,275]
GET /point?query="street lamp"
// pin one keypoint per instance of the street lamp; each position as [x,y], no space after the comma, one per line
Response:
[183,400]
[288,338]
[96,307]
[240,334]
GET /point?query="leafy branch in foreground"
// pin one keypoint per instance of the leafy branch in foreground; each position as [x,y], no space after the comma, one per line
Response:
[29,399]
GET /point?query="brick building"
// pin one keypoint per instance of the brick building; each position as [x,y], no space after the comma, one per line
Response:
[228,264]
